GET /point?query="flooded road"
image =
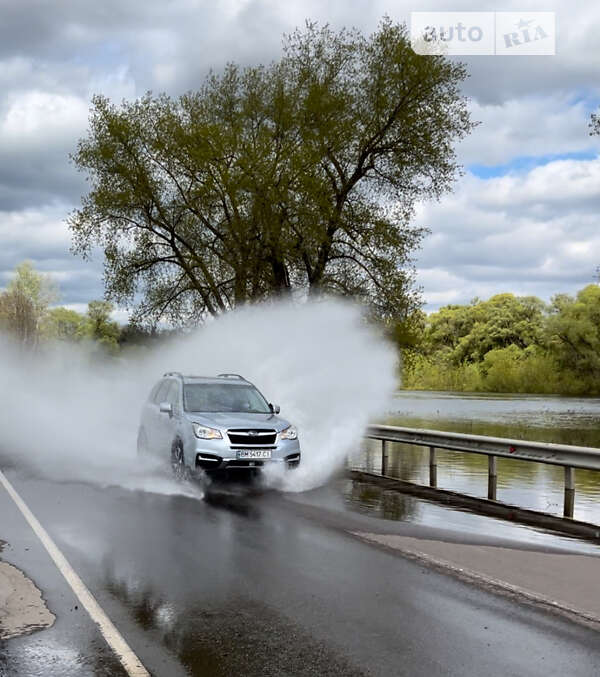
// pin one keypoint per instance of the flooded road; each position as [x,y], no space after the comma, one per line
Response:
[529,485]
[251,583]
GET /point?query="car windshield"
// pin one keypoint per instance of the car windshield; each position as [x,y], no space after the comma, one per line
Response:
[224,397]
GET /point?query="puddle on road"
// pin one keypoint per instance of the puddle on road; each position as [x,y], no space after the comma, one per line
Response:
[375,501]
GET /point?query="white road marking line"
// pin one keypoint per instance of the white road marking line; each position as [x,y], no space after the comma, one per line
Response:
[132,664]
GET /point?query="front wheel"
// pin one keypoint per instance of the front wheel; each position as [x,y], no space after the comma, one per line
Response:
[180,470]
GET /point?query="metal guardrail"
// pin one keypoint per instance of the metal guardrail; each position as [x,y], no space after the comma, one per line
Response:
[567,456]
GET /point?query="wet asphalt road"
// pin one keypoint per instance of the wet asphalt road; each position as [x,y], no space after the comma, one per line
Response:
[257,584]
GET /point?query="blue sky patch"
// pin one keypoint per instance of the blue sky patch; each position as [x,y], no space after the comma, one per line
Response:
[524,164]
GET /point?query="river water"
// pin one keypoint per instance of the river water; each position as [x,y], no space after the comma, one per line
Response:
[530,485]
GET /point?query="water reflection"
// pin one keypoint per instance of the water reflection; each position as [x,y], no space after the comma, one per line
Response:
[209,603]
[373,500]
[236,497]
[529,485]
[387,504]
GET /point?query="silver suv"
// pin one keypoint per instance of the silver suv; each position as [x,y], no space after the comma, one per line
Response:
[215,424]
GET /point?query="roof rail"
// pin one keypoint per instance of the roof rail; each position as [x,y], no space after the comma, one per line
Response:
[173,373]
[238,376]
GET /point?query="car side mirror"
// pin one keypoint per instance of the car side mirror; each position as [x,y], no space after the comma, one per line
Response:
[166,408]
[275,408]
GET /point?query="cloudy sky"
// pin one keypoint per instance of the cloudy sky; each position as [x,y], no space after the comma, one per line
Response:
[523,218]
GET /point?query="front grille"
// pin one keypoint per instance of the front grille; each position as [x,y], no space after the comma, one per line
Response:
[251,437]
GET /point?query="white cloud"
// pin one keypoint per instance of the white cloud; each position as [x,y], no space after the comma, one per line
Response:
[531,126]
[36,118]
[117,83]
[535,233]
[545,188]
[42,236]
[38,130]
[21,230]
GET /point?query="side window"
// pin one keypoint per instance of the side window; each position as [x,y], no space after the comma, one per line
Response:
[173,394]
[161,393]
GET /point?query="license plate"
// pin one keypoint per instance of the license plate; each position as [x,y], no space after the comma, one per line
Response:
[254,453]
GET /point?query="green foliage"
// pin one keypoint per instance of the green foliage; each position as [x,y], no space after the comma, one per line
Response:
[406,333]
[25,313]
[24,303]
[435,373]
[100,327]
[511,344]
[472,331]
[62,324]
[574,332]
[301,175]
[516,370]
[37,287]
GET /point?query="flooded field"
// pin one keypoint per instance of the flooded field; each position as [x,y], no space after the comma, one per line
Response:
[529,485]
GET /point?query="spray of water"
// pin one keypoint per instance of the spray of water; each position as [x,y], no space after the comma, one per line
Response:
[72,417]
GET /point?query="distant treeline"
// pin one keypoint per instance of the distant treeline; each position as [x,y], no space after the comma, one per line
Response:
[511,344]
[29,316]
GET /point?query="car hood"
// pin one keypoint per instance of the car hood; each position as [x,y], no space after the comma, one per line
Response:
[239,420]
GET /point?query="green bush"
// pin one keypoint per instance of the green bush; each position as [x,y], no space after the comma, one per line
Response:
[510,344]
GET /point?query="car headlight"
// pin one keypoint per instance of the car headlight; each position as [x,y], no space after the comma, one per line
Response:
[204,433]
[290,433]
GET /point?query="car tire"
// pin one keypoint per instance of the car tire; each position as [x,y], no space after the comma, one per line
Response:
[180,470]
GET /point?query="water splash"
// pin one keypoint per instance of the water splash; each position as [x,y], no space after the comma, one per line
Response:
[72,417]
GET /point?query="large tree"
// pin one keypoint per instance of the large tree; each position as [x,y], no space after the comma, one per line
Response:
[574,332]
[466,333]
[24,303]
[301,175]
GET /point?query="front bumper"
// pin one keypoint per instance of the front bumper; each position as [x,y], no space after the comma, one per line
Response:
[214,455]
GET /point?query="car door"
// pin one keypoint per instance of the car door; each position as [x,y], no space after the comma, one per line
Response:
[147,416]
[171,422]
[156,419]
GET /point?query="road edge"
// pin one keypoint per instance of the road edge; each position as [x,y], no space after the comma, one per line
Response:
[514,592]
[128,659]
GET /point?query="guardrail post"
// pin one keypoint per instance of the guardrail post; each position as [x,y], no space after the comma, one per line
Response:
[492,477]
[569,491]
[432,468]
[384,456]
